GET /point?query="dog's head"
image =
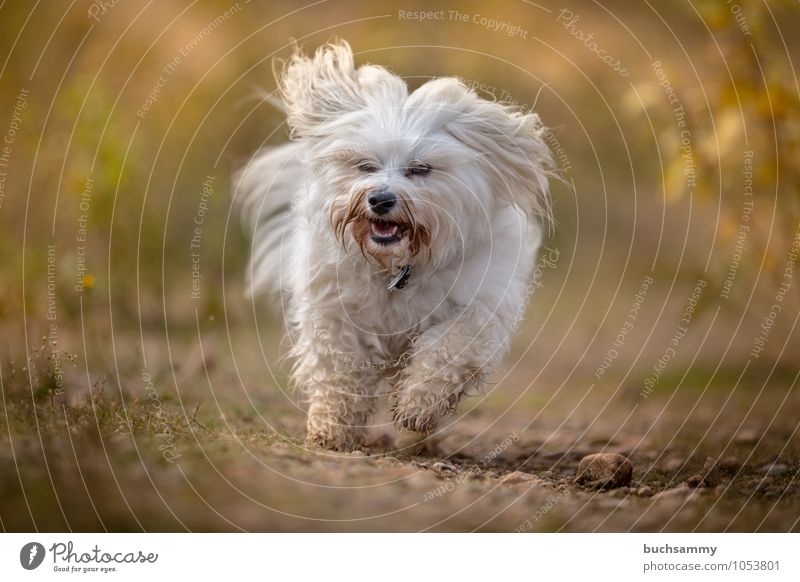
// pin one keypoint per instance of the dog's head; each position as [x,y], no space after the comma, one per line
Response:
[411,178]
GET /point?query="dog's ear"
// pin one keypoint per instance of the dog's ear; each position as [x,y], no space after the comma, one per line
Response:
[315,89]
[508,142]
[318,90]
[519,157]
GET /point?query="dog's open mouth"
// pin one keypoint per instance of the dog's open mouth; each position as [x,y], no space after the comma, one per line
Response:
[385,232]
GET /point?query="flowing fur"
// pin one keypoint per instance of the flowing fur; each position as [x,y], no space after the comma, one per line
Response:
[472,229]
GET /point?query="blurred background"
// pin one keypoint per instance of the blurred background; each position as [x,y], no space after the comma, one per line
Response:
[663,320]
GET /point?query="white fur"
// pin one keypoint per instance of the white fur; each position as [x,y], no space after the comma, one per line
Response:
[471,250]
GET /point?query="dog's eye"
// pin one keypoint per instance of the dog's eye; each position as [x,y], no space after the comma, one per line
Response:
[418,169]
[366,166]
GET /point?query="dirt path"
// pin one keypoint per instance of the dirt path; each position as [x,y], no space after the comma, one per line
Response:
[200,463]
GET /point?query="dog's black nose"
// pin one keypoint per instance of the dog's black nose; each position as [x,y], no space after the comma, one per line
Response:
[381,201]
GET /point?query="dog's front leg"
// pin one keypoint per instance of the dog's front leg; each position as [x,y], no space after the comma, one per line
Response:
[338,416]
[447,361]
[341,391]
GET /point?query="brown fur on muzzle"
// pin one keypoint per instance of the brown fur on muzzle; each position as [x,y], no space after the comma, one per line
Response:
[356,215]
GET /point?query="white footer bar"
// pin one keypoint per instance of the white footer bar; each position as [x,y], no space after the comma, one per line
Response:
[400,557]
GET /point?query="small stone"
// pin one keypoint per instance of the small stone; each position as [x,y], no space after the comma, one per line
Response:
[517,477]
[730,465]
[747,436]
[673,464]
[604,470]
[708,477]
[609,503]
[442,467]
[388,462]
[621,492]
[674,493]
[766,489]
[774,469]
[644,491]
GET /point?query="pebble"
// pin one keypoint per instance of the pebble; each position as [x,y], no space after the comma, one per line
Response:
[673,464]
[675,493]
[622,492]
[388,462]
[708,477]
[442,467]
[423,479]
[764,489]
[518,477]
[747,436]
[603,502]
[604,470]
[774,469]
[730,465]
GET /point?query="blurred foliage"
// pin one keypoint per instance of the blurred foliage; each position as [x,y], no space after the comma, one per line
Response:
[741,100]
[89,78]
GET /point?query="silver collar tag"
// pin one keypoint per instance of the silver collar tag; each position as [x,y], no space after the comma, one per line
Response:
[401,279]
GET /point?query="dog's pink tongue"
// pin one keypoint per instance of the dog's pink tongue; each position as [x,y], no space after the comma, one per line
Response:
[384,229]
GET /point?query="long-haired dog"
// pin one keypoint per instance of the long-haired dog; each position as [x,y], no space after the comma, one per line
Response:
[400,230]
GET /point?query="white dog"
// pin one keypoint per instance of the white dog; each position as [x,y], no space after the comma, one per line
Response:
[400,231]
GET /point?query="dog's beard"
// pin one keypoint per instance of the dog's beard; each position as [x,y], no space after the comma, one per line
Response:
[389,241]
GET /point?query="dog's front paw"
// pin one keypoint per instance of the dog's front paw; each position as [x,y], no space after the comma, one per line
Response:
[342,439]
[417,411]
